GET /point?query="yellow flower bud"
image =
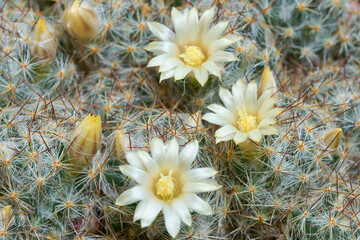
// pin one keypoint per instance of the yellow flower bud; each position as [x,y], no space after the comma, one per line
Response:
[121,143]
[81,21]
[85,141]
[42,42]
[332,138]
[5,215]
[267,81]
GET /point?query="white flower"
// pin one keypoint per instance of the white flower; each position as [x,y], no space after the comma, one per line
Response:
[193,48]
[167,183]
[245,116]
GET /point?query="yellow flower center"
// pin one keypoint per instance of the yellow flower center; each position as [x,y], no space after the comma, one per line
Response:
[246,122]
[193,56]
[166,187]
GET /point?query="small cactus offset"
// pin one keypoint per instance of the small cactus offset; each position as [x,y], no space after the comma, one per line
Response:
[226,119]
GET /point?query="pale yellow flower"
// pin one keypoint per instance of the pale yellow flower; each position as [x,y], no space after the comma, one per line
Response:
[245,115]
[166,182]
[194,48]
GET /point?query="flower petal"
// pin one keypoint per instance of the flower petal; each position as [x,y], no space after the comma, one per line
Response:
[265,108]
[157,149]
[163,47]
[207,185]
[172,151]
[139,210]
[170,63]
[172,221]
[201,75]
[251,98]
[227,98]
[222,56]
[220,110]
[255,135]
[158,61]
[148,162]
[212,68]
[182,211]
[225,133]
[133,159]
[131,195]
[189,153]
[274,112]
[215,119]
[205,20]
[134,173]
[266,122]
[197,204]
[181,71]
[222,43]
[269,131]
[240,137]
[150,212]
[161,31]
[179,22]
[216,31]
[166,75]
[201,173]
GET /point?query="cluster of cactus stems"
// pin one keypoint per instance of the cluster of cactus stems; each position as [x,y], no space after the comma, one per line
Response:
[229,119]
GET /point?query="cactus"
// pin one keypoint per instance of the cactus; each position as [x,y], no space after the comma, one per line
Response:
[267,91]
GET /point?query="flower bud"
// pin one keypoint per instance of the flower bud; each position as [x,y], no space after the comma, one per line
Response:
[85,140]
[121,143]
[5,215]
[332,138]
[81,21]
[43,42]
[267,81]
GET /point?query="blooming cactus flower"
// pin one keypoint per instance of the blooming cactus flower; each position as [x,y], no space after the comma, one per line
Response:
[85,140]
[43,42]
[167,183]
[245,115]
[193,48]
[81,21]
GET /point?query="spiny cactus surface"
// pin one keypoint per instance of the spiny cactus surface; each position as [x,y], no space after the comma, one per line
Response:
[179,119]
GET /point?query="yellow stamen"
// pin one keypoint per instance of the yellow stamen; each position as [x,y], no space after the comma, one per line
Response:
[246,122]
[193,56]
[166,187]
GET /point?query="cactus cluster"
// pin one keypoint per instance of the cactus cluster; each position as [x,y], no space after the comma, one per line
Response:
[177,119]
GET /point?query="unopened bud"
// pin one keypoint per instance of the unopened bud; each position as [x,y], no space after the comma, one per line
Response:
[43,42]
[5,215]
[121,143]
[85,141]
[81,21]
[267,81]
[332,138]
